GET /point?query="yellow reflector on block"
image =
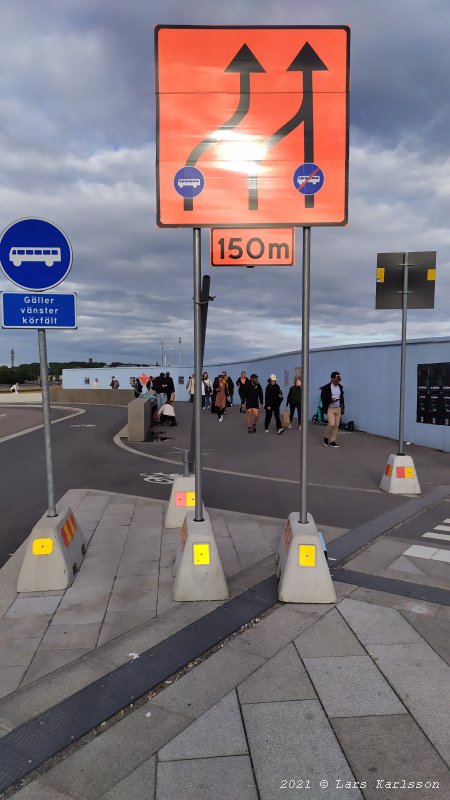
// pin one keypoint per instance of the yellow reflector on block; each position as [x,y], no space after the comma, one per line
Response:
[380,274]
[307,555]
[42,547]
[201,554]
[409,472]
[431,274]
[190,498]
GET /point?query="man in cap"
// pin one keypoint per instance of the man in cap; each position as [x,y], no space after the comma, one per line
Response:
[272,402]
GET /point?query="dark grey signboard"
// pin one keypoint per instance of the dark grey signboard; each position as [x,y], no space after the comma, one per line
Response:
[421,279]
[433,393]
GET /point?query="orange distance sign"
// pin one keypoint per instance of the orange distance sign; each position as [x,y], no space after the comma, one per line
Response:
[252,125]
[252,247]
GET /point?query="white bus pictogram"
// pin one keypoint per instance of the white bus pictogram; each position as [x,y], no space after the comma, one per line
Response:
[304,179]
[49,255]
[195,182]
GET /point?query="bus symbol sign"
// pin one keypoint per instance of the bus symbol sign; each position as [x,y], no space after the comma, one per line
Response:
[35,254]
[308,178]
[189,182]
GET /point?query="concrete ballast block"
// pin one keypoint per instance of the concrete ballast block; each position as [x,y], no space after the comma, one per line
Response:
[400,476]
[54,552]
[182,498]
[199,572]
[139,419]
[301,564]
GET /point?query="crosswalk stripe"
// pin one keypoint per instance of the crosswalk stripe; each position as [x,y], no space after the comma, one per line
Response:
[442,527]
[429,535]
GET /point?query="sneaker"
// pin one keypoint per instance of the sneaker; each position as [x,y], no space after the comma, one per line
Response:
[289,427]
[280,430]
[249,430]
[333,444]
[325,442]
[220,419]
[266,430]
[254,428]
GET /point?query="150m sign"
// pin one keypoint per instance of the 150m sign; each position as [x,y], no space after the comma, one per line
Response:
[252,247]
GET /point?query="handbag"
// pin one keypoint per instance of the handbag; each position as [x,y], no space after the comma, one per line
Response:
[286,418]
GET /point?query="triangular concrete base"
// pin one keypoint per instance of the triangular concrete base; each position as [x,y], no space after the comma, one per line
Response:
[199,572]
[400,476]
[182,498]
[301,564]
[55,550]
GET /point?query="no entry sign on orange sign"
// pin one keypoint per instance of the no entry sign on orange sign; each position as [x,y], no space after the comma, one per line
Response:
[252,125]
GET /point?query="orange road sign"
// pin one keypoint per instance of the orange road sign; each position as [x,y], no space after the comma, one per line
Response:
[252,125]
[252,247]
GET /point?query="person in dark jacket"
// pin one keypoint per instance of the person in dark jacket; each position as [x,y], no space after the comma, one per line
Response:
[230,387]
[294,401]
[241,383]
[272,402]
[170,388]
[332,399]
[253,401]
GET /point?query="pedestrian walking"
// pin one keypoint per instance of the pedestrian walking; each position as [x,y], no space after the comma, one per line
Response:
[114,383]
[159,386]
[272,402]
[221,398]
[230,387]
[333,405]
[254,400]
[96,383]
[294,401]
[137,387]
[14,388]
[241,384]
[207,389]
[190,386]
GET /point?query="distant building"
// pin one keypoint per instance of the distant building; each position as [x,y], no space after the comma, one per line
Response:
[12,358]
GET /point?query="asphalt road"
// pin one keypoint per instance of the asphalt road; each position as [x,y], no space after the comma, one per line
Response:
[250,473]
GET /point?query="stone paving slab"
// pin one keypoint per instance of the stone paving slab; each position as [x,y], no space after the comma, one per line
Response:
[391,748]
[282,678]
[435,631]
[37,791]
[420,678]
[294,741]
[352,687]
[208,682]
[110,757]
[139,785]
[377,625]
[217,732]
[46,661]
[228,778]
[329,636]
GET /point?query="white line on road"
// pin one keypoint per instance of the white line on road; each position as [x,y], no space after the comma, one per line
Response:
[442,527]
[431,535]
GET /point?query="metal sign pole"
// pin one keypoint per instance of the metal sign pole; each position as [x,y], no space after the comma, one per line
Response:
[47,423]
[403,357]
[305,373]
[198,374]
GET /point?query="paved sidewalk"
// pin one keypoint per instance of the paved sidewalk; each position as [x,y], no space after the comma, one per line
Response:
[309,701]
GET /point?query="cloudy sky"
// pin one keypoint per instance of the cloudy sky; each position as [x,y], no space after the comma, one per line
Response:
[77,147]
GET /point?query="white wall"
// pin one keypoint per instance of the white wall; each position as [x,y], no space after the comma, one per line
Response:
[370,376]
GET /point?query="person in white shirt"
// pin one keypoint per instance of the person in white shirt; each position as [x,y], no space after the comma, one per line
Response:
[332,398]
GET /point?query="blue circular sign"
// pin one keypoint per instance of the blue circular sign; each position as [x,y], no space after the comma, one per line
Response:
[189,182]
[35,254]
[308,178]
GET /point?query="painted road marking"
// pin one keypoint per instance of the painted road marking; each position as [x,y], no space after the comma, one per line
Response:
[442,527]
[430,535]
[430,553]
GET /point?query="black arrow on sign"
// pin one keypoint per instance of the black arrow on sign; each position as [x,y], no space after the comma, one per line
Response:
[306,61]
[244,62]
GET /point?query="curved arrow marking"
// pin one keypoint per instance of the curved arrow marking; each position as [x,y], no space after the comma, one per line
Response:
[244,62]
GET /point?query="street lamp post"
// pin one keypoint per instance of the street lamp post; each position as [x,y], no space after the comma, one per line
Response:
[180,358]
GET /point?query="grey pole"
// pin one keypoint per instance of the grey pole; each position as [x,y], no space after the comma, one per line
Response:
[47,423]
[198,374]
[305,373]
[403,357]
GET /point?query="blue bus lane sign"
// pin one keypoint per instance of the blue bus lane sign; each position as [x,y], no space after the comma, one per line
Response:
[32,310]
[35,254]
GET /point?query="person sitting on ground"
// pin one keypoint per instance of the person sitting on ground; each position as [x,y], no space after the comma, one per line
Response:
[166,414]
